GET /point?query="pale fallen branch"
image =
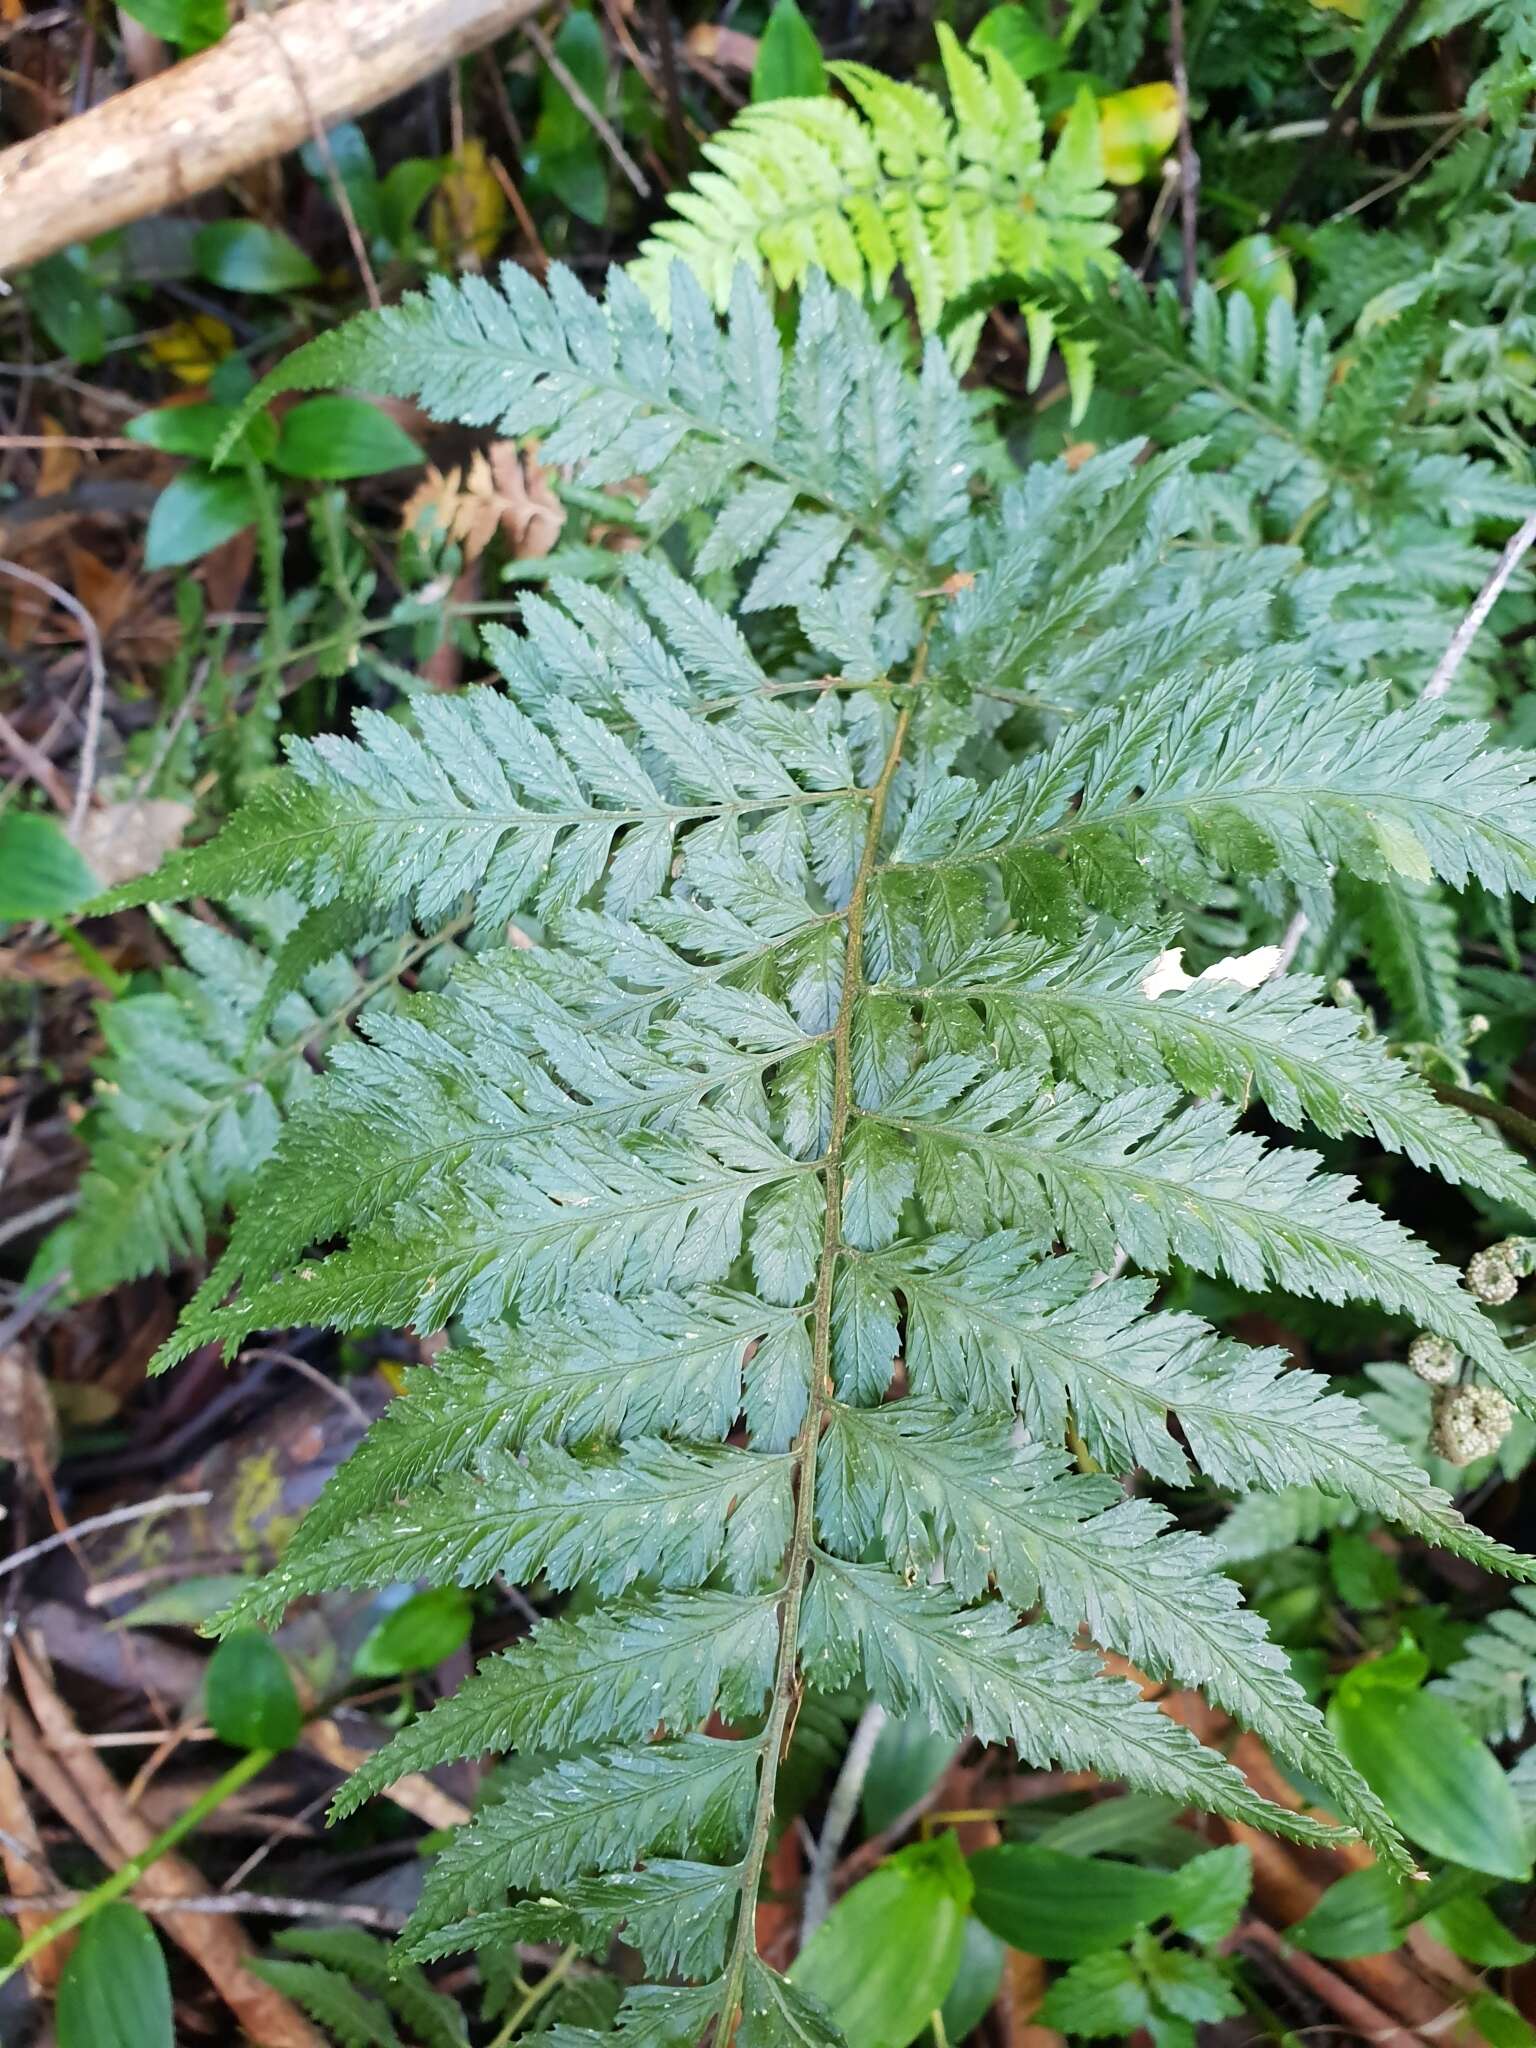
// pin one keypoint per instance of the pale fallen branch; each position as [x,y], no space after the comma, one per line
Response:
[1482,605]
[205,120]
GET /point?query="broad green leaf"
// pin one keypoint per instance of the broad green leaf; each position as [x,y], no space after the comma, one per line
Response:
[565,155]
[41,873]
[1441,1785]
[1207,1896]
[197,511]
[191,24]
[789,64]
[115,1991]
[1260,268]
[1012,31]
[418,1635]
[336,438]
[244,256]
[251,1699]
[982,1957]
[908,1757]
[199,430]
[1103,1993]
[886,1956]
[1498,2023]
[76,313]
[1364,1914]
[1058,1906]
[1137,128]
[1471,1929]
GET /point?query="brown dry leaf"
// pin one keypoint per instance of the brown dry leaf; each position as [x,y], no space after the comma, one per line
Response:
[123,840]
[731,49]
[59,464]
[220,1946]
[26,1871]
[29,1429]
[505,490]
[106,593]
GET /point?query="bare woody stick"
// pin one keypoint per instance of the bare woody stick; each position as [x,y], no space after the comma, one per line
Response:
[202,121]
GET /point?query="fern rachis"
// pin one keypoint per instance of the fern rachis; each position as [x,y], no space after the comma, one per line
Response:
[829,1054]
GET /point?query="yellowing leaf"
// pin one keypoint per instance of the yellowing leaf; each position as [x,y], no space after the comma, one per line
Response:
[1136,131]
[192,349]
[469,207]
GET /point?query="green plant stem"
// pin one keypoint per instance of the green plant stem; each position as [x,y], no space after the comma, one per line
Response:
[531,2000]
[127,1875]
[786,1677]
[1515,1121]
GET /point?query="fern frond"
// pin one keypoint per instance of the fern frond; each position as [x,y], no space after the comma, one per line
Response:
[687,1798]
[648,1664]
[199,1077]
[1493,1681]
[330,1997]
[894,182]
[786,1090]
[1409,932]
[842,434]
[990,1325]
[973,1667]
[940,1496]
[1087,1009]
[434,2021]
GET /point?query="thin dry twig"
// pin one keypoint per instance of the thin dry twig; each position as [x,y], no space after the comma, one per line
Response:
[222,1905]
[841,1808]
[136,1511]
[1461,640]
[602,127]
[1189,161]
[97,667]
[327,155]
[1345,109]
[37,765]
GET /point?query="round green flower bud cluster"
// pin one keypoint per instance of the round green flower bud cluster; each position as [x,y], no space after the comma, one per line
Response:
[1491,1275]
[1435,1359]
[1469,1423]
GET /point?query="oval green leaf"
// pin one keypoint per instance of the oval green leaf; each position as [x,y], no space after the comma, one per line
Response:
[1442,1786]
[198,430]
[789,64]
[336,438]
[885,1958]
[970,1997]
[420,1633]
[41,873]
[243,256]
[190,24]
[115,1991]
[908,1758]
[1365,1914]
[1471,1929]
[1062,1907]
[251,1699]
[195,513]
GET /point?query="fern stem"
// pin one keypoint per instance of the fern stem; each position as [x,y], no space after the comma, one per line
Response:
[531,2000]
[786,1678]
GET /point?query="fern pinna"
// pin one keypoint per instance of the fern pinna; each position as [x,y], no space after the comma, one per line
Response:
[779,1183]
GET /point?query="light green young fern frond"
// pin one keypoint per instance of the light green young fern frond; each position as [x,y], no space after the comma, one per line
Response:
[897,183]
